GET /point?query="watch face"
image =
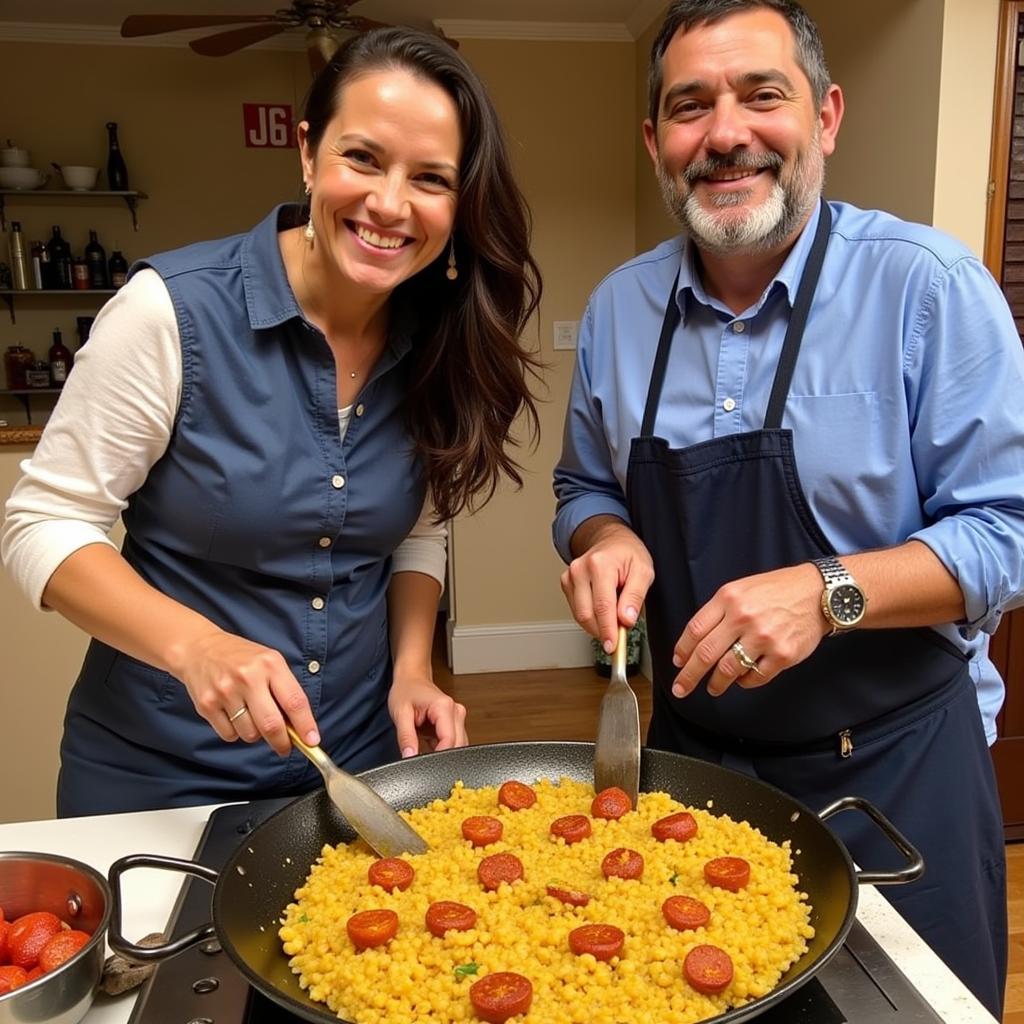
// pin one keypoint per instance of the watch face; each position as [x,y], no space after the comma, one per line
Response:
[846,603]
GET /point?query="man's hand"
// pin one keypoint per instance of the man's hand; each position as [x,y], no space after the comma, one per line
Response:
[776,618]
[606,585]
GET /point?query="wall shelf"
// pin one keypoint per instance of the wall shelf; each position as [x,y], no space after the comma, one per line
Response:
[24,396]
[8,295]
[130,198]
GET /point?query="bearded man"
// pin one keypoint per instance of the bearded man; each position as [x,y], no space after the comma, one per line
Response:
[796,433]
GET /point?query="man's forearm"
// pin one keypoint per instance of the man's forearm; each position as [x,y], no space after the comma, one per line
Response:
[594,529]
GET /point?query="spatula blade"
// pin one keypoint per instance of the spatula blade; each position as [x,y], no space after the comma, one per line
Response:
[617,750]
[373,818]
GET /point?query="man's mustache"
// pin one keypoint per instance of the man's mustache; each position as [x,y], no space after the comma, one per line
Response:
[732,162]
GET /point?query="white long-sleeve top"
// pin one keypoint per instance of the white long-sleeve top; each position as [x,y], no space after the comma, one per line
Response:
[111,425]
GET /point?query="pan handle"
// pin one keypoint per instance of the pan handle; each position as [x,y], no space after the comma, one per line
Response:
[915,862]
[152,954]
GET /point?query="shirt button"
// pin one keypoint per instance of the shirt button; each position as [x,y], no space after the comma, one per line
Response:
[739,327]
[318,603]
[314,667]
[360,409]
[728,405]
[324,542]
[337,481]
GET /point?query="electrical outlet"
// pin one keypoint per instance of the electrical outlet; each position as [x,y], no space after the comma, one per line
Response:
[565,333]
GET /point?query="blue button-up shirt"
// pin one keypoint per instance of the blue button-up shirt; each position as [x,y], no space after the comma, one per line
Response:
[905,404]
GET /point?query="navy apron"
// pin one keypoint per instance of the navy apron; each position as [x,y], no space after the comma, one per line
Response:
[889,715]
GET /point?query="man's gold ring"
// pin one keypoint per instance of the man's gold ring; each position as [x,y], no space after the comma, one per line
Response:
[749,664]
[238,714]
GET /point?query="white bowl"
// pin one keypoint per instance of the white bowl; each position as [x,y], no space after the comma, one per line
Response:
[14,157]
[20,177]
[79,179]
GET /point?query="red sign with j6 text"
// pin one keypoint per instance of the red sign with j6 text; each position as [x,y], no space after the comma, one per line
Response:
[268,125]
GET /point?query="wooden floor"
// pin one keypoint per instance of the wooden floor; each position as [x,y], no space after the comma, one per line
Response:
[562,705]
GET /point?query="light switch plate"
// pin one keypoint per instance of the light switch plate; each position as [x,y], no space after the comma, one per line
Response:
[565,333]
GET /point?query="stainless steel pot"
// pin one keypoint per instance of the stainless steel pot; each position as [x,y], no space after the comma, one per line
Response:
[76,893]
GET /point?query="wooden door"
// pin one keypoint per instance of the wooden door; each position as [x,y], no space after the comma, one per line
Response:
[1004,257]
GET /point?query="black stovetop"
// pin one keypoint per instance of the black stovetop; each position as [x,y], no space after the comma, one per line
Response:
[860,985]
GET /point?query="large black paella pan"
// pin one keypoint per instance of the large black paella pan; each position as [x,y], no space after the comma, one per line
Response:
[260,878]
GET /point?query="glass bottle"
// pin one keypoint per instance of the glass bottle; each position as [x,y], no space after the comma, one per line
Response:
[61,360]
[19,263]
[17,360]
[84,326]
[46,270]
[96,259]
[118,267]
[60,260]
[117,172]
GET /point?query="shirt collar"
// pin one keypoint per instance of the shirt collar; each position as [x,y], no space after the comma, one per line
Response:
[691,288]
[269,299]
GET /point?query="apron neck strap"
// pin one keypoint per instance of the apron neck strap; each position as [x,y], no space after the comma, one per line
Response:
[790,346]
[798,320]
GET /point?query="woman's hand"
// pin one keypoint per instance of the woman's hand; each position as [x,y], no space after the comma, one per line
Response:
[225,673]
[416,703]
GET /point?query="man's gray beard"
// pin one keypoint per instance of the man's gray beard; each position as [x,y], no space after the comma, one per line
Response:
[767,226]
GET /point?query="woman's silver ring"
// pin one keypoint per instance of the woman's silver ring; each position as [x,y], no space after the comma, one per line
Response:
[749,664]
[238,714]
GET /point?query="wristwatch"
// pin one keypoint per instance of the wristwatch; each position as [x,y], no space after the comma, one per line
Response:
[842,602]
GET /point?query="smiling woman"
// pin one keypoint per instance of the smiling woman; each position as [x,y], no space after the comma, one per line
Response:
[285,417]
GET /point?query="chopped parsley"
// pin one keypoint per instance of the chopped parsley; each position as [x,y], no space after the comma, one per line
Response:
[464,970]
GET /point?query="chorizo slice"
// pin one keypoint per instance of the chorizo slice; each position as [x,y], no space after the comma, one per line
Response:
[482,830]
[708,969]
[623,863]
[601,941]
[449,916]
[611,803]
[498,868]
[730,873]
[371,928]
[572,828]
[680,827]
[684,913]
[391,873]
[501,995]
[516,796]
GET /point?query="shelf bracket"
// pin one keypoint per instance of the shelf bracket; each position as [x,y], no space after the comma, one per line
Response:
[132,204]
[26,401]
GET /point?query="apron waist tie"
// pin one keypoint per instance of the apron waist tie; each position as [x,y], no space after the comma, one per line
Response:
[737,750]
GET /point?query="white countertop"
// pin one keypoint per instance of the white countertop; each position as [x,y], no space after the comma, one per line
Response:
[149,896]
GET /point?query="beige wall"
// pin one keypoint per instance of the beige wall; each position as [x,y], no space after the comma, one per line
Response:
[569,111]
[969,40]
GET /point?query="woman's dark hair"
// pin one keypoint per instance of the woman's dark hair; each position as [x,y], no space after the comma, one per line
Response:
[469,379]
[686,14]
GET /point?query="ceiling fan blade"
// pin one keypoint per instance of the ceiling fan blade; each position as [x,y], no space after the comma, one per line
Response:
[155,24]
[223,43]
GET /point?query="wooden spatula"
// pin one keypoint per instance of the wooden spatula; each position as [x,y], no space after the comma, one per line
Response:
[617,751]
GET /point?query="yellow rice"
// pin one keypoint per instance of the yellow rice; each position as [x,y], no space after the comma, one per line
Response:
[763,927]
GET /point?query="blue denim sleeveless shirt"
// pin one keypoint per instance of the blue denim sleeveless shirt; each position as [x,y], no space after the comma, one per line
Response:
[259,517]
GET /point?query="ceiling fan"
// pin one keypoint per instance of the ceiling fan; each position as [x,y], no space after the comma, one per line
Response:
[323,18]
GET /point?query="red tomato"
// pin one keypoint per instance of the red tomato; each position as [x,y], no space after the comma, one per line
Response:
[482,830]
[574,897]
[498,868]
[36,972]
[685,913]
[572,828]
[28,934]
[12,978]
[448,916]
[2,918]
[62,947]
[708,969]
[5,927]
[516,796]
[611,803]
[680,827]
[601,941]
[372,928]
[391,873]
[623,863]
[496,997]
[730,873]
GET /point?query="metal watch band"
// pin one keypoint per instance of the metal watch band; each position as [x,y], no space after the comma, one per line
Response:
[833,571]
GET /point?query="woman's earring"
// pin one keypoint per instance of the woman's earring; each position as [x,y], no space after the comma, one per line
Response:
[453,271]
[309,232]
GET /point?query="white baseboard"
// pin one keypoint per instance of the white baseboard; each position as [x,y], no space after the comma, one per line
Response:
[517,646]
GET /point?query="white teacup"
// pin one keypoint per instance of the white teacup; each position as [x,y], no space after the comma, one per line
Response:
[11,156]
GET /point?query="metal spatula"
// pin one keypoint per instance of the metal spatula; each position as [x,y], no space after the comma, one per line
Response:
[375,820]
[617,751]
